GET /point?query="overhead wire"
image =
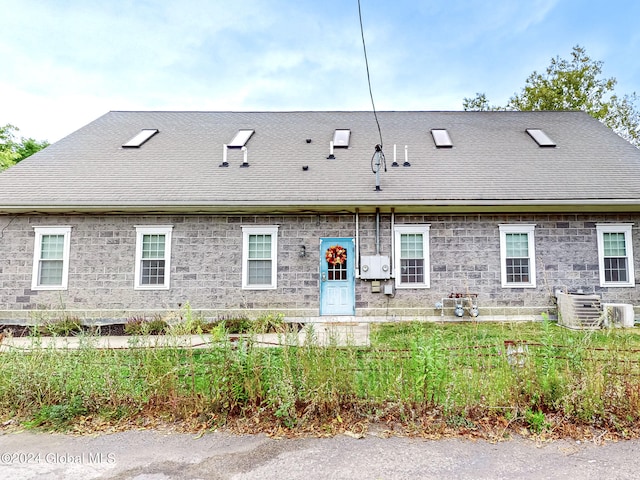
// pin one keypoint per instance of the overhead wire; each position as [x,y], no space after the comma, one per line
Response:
[366,62]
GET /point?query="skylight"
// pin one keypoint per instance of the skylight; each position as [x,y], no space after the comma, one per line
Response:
[140,138]
[441,138]
[241,139]
[341,138]
[540,137]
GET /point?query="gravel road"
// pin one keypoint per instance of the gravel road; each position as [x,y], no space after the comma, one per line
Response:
[154,455]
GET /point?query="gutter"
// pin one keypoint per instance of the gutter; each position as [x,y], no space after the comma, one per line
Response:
[285,207]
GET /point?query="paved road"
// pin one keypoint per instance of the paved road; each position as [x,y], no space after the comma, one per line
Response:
[152,455]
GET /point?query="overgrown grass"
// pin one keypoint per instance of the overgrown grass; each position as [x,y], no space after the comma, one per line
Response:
[425,376]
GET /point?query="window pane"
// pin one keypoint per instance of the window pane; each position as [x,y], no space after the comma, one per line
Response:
[411,245]
[614,245]
[412,270]
[615,270]
[153,246]
[259,247]
[50,272]
[517,245]
[52,247]
[152,272]
[517,270]
[411,258]
[259,272]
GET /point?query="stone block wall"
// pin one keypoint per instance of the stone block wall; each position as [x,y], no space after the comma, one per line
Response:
[206,264]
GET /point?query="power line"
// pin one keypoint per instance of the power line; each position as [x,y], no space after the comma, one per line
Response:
[366,61]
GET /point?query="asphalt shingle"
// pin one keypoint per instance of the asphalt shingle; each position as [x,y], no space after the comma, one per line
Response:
[493,162]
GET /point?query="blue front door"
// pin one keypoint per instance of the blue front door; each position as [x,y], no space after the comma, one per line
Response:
[337,276]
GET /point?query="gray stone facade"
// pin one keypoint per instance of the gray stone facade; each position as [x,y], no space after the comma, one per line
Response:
[206,265]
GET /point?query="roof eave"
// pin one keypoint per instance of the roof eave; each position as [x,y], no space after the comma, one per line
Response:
[283,207]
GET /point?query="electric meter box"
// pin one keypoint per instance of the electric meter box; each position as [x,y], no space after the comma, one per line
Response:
[375,267]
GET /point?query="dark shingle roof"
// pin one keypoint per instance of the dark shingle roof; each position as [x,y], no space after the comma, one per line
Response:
[493,162]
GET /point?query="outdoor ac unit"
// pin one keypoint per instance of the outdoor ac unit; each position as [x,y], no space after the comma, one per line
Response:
[618,314]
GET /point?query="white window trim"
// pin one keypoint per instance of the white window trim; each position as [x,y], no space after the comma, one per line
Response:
[519,228]
[625,228]
[404,229]
[260,230]
[35,277]
[141,231]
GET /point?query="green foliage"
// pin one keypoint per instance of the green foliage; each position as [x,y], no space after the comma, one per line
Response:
[536,421]
[58,416]
[574,84]
[145,326]
[63,327]
[456,374]
[269,322]
[13,151]
[236,324]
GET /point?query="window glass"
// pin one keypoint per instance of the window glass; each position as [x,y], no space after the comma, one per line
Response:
[412,256]
[517,255]
[51,258]
[615,255]
[259,257]
[153,254]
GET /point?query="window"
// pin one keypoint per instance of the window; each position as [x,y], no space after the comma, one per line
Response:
[412,256]
[341,138]
[241,138]
[615,255]
[51,258]
[140,138]
[441,138]
[153,257]
[517,256]
[259,254]
[541,138]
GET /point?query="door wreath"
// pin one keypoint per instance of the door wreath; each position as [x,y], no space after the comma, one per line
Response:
[336,255]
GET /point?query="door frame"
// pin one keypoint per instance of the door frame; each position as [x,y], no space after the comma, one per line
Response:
[349,244]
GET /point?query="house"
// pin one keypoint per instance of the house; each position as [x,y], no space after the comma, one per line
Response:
[142,212]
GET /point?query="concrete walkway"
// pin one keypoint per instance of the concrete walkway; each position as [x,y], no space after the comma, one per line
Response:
[318,333]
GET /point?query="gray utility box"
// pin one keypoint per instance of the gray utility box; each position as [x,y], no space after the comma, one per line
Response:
[375,267]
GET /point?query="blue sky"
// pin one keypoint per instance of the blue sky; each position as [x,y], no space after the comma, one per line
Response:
[66,62]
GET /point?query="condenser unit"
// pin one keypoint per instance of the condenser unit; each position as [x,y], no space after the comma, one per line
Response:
[618,314]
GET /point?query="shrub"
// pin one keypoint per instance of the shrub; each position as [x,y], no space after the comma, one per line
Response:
[143,326]
[63,327]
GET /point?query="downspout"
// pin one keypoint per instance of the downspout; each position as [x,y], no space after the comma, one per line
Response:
[393,242]
[357,245]
[377,231]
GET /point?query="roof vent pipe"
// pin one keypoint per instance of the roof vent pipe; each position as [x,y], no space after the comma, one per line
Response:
[331,155]
[406,157]
[224,163]
[395,162]
[245,161]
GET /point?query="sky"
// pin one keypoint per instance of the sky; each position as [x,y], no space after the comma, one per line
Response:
[64,63]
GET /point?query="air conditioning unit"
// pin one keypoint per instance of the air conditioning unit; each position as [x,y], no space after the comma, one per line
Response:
[618,314]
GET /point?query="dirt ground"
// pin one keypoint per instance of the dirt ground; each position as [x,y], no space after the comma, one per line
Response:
[158,455]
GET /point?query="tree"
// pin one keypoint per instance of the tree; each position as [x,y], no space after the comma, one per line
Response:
[12,151]
[574,84]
